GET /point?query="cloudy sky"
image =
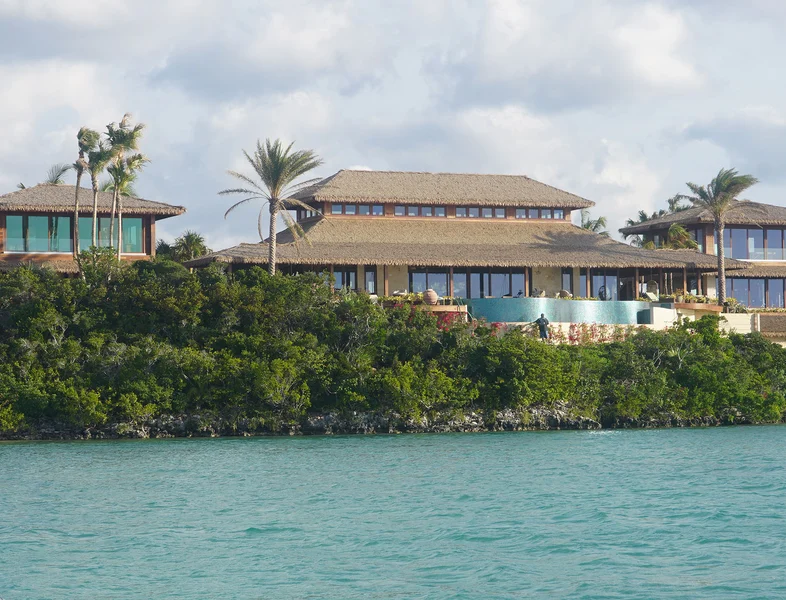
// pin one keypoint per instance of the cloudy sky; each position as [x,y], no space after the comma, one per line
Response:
[620,101]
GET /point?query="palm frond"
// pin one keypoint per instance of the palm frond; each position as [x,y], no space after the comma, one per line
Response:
[56,173]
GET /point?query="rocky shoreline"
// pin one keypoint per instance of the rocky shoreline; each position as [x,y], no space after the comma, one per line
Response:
[535,418]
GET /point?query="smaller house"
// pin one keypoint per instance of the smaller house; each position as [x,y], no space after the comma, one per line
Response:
[36,226]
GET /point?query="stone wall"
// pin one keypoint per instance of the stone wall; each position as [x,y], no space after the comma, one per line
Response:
[548,279]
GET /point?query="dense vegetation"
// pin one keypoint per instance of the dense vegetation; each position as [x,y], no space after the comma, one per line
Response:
[131,343]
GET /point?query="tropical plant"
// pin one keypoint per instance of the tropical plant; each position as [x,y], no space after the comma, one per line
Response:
[122,138]
[594,225]
[189,245]
[97,160]
[129,191]
[674,204]
[679,238]
[87,140]
[277,168]
[56,174]
[164,249]
[719,197]
[642,217]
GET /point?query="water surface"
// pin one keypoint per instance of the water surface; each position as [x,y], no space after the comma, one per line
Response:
[620,514]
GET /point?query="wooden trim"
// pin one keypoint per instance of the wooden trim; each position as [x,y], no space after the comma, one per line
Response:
[386,282]
[450,281]
[2,233]
[527,277]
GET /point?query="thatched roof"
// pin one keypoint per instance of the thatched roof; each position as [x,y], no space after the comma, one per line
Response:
[761,270]
[59,265]
[451,242]
[60,199]
[390,187]
[744,212]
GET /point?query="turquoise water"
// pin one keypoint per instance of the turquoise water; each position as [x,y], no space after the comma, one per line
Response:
[621,514]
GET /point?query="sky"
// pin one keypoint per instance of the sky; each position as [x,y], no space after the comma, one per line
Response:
[618,101]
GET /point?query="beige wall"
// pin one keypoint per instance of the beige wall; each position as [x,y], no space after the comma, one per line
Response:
[548,279]
[398,278]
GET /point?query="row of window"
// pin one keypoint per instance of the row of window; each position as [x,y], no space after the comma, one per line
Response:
[744,243]
[53,233]
[462,212]
[756,293]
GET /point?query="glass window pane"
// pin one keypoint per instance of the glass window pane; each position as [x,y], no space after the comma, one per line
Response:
[439,211]
[521,213]
[132,235]
[500,284]
[461,212]
[103,232]
[350,209]
[399,211]
[476,285]
[545,213]
[774,244]
[350,279]
[426,211]
[567,279]
[412,211]
[517,284]
[611,286]
[339,275]
[474,212]
[739,243]
[756,244]
[37,234]
[14,236]
[439,283]
[775,289]
[335,209]
[739,289]
[582,284]
[459,285]
[419,282]
[756,291]
[727,242]
[61,235]
[532,213]
[85,233]
[499,213]
[364,209]
[378,210]
[487,213]
[559,213]
[598,282]
[371,280]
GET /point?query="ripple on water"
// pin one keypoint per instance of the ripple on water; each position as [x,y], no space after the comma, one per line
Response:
[601,514]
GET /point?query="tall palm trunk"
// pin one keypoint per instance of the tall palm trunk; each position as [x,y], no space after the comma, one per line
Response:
[112,221]
[119,225]
[94,181]
[271,246]
[76,212]
[719,230]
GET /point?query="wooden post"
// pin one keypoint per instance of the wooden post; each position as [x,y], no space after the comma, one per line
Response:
[152,235]
[450,282]
[527,273]
[636,287]
[685,280]
[386,284]
[661,282]
[588,283]
[699,283]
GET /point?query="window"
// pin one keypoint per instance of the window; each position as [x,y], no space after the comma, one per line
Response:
[517,284]
[499,213]
[345,278]
[582,284]
[487,213]
[461,212]
[697,235]
[521,213]
[532,213]
[336,209]
[132,235]
[377,210]
[38,233]
[559,213]
[371,279]
[545,213]
[756,244]
[756,293]
[350,209]
[496,283]
[474,212]
[567,279]
[412,211]
[439,211]
[426,211]
[775,293]
[459,284]
[364,210]
[399,211]
[604,283]
[774,244]
[421,280]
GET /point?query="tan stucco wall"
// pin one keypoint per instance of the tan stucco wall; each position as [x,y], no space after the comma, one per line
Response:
[398,278]
[548,279]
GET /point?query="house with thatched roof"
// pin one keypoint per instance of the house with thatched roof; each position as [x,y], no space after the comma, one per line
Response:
[36,226]
[755,235]
[462,235]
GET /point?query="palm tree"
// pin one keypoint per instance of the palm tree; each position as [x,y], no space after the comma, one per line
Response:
[87,139]
[189,245]
[97,160]
[594,225]
[277,169]
[164,249]
[642,217]
[122,139]
[719,197]
[123,174]
[128,190]
[56,173]
[679,238]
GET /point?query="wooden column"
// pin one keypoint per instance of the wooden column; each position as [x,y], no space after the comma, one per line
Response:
[386,284]
[685,280]
[450,282]
[699,283]
[527,273]
[152,236]
[636,286]
[2,233]
[661,282]
[588,283]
